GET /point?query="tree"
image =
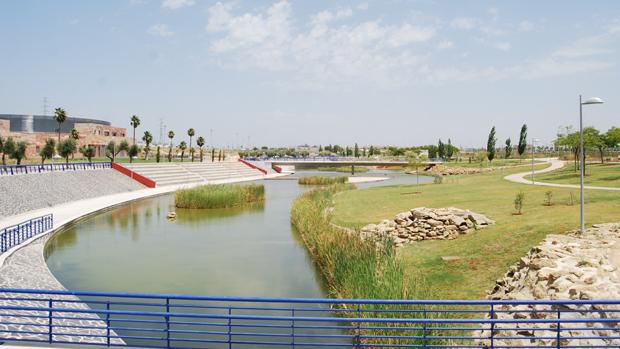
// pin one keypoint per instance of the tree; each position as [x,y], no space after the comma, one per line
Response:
[8,149]
[182,147]
[60,116]
[508,149]
[133,151]
[356,151]
[110,150]
[441,149]
[48,150]
[19,152]
[75,134]
[147,138]
[200,142]
[2,151]
[88,151]
[432,151]
[171,136]
[66,148]
[449,149]
[123,146]
[612,137]
[491,145]
[522,141]
[158,154]
[135,122]
[212,154]
[191,134]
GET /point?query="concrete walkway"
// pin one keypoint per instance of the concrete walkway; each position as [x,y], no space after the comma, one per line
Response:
[555,164]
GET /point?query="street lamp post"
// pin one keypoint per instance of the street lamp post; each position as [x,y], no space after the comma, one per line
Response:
[582,155]
[534,140]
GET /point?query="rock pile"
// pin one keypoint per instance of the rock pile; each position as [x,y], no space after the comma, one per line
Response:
[572,267]
[426,224]
[449,171]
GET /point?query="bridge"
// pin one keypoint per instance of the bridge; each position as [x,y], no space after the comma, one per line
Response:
[333,161]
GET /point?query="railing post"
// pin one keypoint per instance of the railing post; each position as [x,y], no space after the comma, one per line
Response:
[492,315]
[229,328]
[293,327]
[558,330]
[167,322]
[50,322]
[107,321]
[424,328]
[358,340]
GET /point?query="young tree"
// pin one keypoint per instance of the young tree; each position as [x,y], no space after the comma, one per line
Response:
[48,150]
[449,149]
[147,138]
[441,149]
[182,147]
[110,150]
[135,122]
[212,154]
[200,142]
[88,151]
[522,141]
[356,151]
[8,149]
[2,151]
[133,151]
[491,145]
[66,148]
[371,151]
[171,136]
[124,146]
[158,154]
[60,116]
[19,152]
[508,149]
[191,132]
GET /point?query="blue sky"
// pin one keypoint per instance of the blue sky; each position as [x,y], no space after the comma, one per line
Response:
[293,72]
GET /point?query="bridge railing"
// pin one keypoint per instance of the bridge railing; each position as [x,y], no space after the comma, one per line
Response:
[18,233]
[51,167]
[179,321]
[334,159]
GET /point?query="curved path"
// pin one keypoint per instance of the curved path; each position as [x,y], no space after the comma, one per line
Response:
[555,164]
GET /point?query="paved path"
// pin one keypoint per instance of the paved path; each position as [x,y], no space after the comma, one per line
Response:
[554,165]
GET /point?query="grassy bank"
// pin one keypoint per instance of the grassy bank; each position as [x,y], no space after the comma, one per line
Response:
[321,180]
[604,175]
[485,254]
[345,169]
[219,196]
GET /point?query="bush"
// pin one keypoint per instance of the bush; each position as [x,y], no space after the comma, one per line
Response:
[438,179]
[548,198]
[519,202]
[219,196]
[320,180]
[571,199]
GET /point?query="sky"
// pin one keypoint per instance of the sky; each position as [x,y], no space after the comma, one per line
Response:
[283,73]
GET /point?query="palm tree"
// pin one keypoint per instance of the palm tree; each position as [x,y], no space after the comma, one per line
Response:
[171,136]
[200,142]
[147,138]
[60,116]
[191,134]
[182,146]
[135,122]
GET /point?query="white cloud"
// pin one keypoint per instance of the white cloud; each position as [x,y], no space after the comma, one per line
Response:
[445,44]
[526,26]
[363,6]
[176,4]
[463,23]
[504,46]
[161,30]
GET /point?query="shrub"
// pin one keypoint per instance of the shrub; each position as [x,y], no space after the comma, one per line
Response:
[219,196]
[548,198]
[519,202]
[66,148]
[438,179]
[321,180]
[571,199]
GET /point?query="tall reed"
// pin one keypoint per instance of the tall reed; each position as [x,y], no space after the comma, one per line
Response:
[322,180]
[219,196]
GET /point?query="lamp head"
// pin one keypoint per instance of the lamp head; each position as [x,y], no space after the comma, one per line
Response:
[593,100]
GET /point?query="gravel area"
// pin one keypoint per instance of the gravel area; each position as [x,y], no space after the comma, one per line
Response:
[23,193]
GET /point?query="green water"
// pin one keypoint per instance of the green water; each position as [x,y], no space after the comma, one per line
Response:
[250,251]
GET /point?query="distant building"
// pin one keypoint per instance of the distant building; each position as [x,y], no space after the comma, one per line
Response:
[36,129]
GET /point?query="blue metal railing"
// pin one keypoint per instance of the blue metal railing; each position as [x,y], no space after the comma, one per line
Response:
[50,167]
[18,233]
[333,158]
[180,321]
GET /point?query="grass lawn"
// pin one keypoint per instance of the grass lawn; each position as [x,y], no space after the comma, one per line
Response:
[486,163]
[604,175]
[487,253]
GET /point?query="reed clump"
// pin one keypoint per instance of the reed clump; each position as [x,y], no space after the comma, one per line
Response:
[322,180]
[345,169]
[219,196]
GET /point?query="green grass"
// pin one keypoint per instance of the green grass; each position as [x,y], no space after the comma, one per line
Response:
[322,180]
[464,162]
[487,253]
[219,196]
[603,175]
[345,169]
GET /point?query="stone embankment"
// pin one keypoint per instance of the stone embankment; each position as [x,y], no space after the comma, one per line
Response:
[573,267]
[426,224]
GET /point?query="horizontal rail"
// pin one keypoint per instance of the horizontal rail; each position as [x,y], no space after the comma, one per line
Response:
[53,167]
[18,233]
[188,321]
